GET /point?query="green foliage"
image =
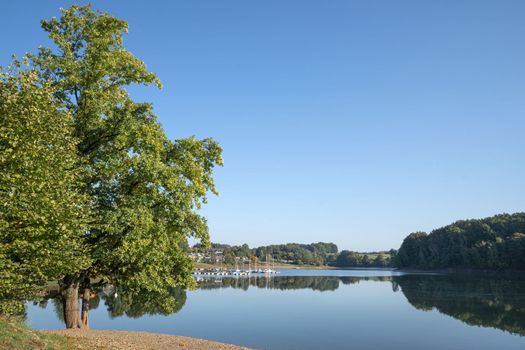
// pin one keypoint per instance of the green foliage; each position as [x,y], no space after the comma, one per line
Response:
[90,186]
[309,254]
[42,213]
[354,259]
[16,335]
[494,243]
[144,188]
[315,254]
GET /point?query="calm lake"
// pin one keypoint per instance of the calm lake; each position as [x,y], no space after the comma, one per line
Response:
[329,309]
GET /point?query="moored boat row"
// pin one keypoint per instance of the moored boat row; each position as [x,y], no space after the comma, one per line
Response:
[232,272]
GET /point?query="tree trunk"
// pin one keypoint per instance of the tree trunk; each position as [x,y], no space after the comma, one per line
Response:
[70,289]
[71,304]
[85,307]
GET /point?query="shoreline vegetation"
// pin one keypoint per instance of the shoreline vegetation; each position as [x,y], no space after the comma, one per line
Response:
[289,255]
[15,334]
[281,266]
[495,243]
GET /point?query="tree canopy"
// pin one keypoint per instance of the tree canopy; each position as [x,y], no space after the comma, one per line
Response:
[494,243]
[43,214]
[143,189]
[354,259]
[295,253]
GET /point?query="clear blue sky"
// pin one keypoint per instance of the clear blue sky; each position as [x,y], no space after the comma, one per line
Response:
[355,122]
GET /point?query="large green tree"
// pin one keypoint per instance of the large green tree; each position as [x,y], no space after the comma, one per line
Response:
[43,215]
[144,188]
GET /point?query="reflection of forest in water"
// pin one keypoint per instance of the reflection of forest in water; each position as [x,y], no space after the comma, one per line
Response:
[132,304]
[497,302]
[317,283]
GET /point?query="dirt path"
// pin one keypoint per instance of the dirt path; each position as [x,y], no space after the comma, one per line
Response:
[102,339]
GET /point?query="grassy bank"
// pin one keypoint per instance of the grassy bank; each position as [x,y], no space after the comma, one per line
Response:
[14,334]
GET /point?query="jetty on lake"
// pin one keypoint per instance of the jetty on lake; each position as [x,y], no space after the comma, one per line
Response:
[220,271]
[233,272]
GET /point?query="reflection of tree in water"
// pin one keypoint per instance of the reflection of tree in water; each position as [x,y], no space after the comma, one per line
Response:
[58,303]
[356,279]
[137,304]
[497,302]
[132,304]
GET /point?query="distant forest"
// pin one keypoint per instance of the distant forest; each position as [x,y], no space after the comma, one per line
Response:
[316,254]
[493,243]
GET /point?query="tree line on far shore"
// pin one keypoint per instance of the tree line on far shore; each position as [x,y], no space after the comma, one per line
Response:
[493,243]
[315,254]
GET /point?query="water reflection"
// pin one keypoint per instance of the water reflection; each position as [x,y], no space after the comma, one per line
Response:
[495,302]
[317,283]
[132,304]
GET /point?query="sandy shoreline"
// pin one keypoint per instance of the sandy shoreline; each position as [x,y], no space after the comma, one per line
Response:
[107,339]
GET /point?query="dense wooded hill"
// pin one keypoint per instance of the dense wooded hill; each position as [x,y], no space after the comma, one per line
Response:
[494,243]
